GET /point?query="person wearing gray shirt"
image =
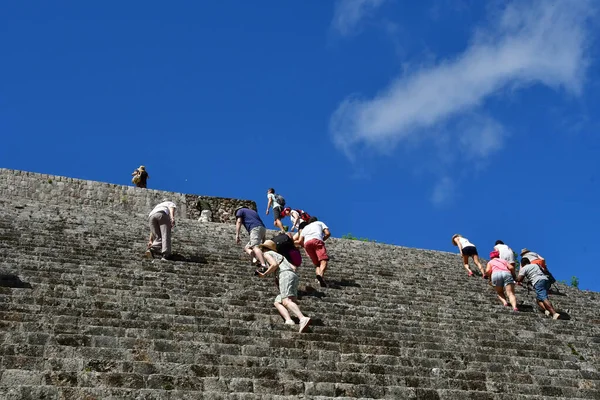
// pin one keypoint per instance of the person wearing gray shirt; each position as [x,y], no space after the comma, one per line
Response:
[540,283]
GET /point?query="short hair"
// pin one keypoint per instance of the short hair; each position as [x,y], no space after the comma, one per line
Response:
[302,225]
[499,242]
[525,261]
[311,220]
[238,209]
[271,190]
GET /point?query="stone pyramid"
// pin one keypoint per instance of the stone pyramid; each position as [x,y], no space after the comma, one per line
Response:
[84,316]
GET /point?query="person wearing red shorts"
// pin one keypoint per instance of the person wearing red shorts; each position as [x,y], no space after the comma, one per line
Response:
[312,237]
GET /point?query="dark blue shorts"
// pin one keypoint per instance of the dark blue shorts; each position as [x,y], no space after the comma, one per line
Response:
[541,289]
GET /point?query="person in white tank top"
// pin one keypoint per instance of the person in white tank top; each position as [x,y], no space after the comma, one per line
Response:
[467,249]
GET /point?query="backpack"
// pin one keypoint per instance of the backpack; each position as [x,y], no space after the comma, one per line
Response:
[542,265]
[284,245]
[304,216]
[279,199]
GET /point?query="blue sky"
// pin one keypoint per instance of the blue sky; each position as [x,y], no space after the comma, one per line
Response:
[403,122]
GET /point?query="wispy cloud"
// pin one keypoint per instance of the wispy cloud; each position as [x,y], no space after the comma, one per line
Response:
[349,13]
[443,191]
[529,42]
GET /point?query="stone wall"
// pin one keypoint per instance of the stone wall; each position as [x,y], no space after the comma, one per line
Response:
[55,189]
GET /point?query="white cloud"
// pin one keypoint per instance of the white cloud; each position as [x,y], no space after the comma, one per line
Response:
[443,191]
[530,42]
[349,13]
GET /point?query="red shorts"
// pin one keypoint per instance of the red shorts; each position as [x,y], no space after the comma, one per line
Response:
[316,250]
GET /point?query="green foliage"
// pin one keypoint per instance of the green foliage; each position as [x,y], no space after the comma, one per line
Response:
[362,239]
[50,181]
[575,282]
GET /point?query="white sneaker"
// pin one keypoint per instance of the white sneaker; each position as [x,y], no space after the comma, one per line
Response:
[303,324]
[547,313]
[290,322]
[556,316]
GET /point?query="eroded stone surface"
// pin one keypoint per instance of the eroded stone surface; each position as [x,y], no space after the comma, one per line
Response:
[92,319]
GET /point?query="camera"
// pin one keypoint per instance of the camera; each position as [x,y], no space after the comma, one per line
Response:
[261,270]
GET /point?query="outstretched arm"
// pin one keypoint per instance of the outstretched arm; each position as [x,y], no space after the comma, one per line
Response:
[269,204]
[273,265]
[172,215]
[238,226]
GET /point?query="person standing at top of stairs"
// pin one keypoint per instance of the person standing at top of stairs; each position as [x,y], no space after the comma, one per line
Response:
[277,202]
[140,177]
[288,281]
[161,220]
[467,249]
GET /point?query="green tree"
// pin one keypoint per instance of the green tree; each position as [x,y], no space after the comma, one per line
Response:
[575,282]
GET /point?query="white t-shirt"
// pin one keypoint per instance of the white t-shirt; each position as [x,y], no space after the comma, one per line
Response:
[163,207]
[506,253]
[464,242]
[274,203]
[313,231]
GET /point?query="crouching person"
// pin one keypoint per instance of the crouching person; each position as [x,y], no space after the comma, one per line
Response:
[161,219]
[288,284]
[540,283]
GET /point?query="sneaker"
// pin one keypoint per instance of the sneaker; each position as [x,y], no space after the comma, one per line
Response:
[148,254]
[547,313]
[556,316]
[290,322]
[303,324]
[321,281]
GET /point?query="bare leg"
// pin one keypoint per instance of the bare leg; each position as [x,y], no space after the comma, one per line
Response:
[510,291]
[320,269]
[542,306]
[549,307]
[500,293]
[290,303]
[466,264]
[476,259]
[278,224]
[259,255]
[283,311]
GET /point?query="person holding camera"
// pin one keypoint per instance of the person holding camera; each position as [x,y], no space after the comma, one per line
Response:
[288,284]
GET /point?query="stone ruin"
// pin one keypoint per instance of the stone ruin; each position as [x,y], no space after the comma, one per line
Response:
[83,316]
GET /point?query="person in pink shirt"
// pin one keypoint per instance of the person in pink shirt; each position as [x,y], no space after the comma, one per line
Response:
[502,275]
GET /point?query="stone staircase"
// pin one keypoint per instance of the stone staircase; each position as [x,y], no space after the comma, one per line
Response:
[84,316]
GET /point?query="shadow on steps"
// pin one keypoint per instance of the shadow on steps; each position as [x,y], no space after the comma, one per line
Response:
[13,281]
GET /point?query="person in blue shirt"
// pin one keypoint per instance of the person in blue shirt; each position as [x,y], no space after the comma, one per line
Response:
[256,229]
